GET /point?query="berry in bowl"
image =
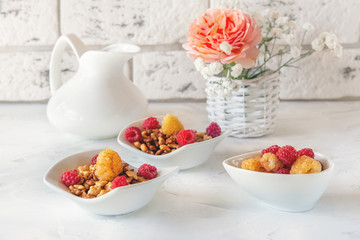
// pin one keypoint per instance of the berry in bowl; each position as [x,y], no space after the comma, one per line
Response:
[282,177]
[163,141]
[102,183]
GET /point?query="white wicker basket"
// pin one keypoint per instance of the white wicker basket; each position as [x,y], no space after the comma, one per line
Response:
[251,110]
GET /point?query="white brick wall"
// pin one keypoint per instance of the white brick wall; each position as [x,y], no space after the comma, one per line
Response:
[24,76]
[338,16]
[164,75]
[323,76]
[139,21]
[29,23]
[28,30]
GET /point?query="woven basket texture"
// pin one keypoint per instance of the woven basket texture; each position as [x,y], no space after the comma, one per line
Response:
[252,109]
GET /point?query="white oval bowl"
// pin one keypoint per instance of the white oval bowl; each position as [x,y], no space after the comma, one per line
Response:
[118,201]
[186,157]
[286,192]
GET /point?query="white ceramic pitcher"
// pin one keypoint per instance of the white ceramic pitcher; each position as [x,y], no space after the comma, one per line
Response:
[99,100]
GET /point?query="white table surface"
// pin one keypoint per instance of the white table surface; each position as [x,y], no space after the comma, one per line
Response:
[200,203]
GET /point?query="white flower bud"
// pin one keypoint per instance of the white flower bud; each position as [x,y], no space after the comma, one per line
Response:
[323,35]
[226,84]
[226,47]
[205,72]
[331,41]
[317,44]
[211,90]
[236,70]
[215,68]
[338,49]
[308,27]
[199,64]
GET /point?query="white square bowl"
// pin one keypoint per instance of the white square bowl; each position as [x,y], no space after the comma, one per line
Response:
[118,201]
[286,192]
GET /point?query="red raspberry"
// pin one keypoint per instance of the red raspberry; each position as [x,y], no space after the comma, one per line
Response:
[305,151]
[119,181]
[70,177]
[213,130]
[151,123]
[133,134]
[93,160]
[186,137]
[147,171]
[273,149]
[287,155]
[283,171]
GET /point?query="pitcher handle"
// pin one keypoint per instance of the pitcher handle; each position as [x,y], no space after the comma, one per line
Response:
[78,48]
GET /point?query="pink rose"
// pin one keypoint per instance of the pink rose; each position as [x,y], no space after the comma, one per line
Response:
[207,32]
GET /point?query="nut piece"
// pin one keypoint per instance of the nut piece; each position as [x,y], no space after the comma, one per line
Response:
[161,141]
[131,174]
[94,190]
[165,148]
[101,183]
[173,145]
[159,152]
[200,134]
[102,192]
[75,191]
[206,137]
[108,186]
[80,187]
[170,140]
[90,182]
[85,174]
[143,147]
[137,144]
[152,148]
[83,168]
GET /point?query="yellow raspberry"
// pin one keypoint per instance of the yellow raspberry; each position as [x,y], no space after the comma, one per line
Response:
[108,165]
[252,164]
[171,125]
[271,162]
[304,165]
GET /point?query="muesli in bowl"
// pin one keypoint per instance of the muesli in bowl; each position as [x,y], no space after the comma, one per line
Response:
[169,143]
[105,172]
[101,182]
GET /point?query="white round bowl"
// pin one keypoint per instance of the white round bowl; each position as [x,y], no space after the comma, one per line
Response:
[186,157]
[118,201]
[286,192]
